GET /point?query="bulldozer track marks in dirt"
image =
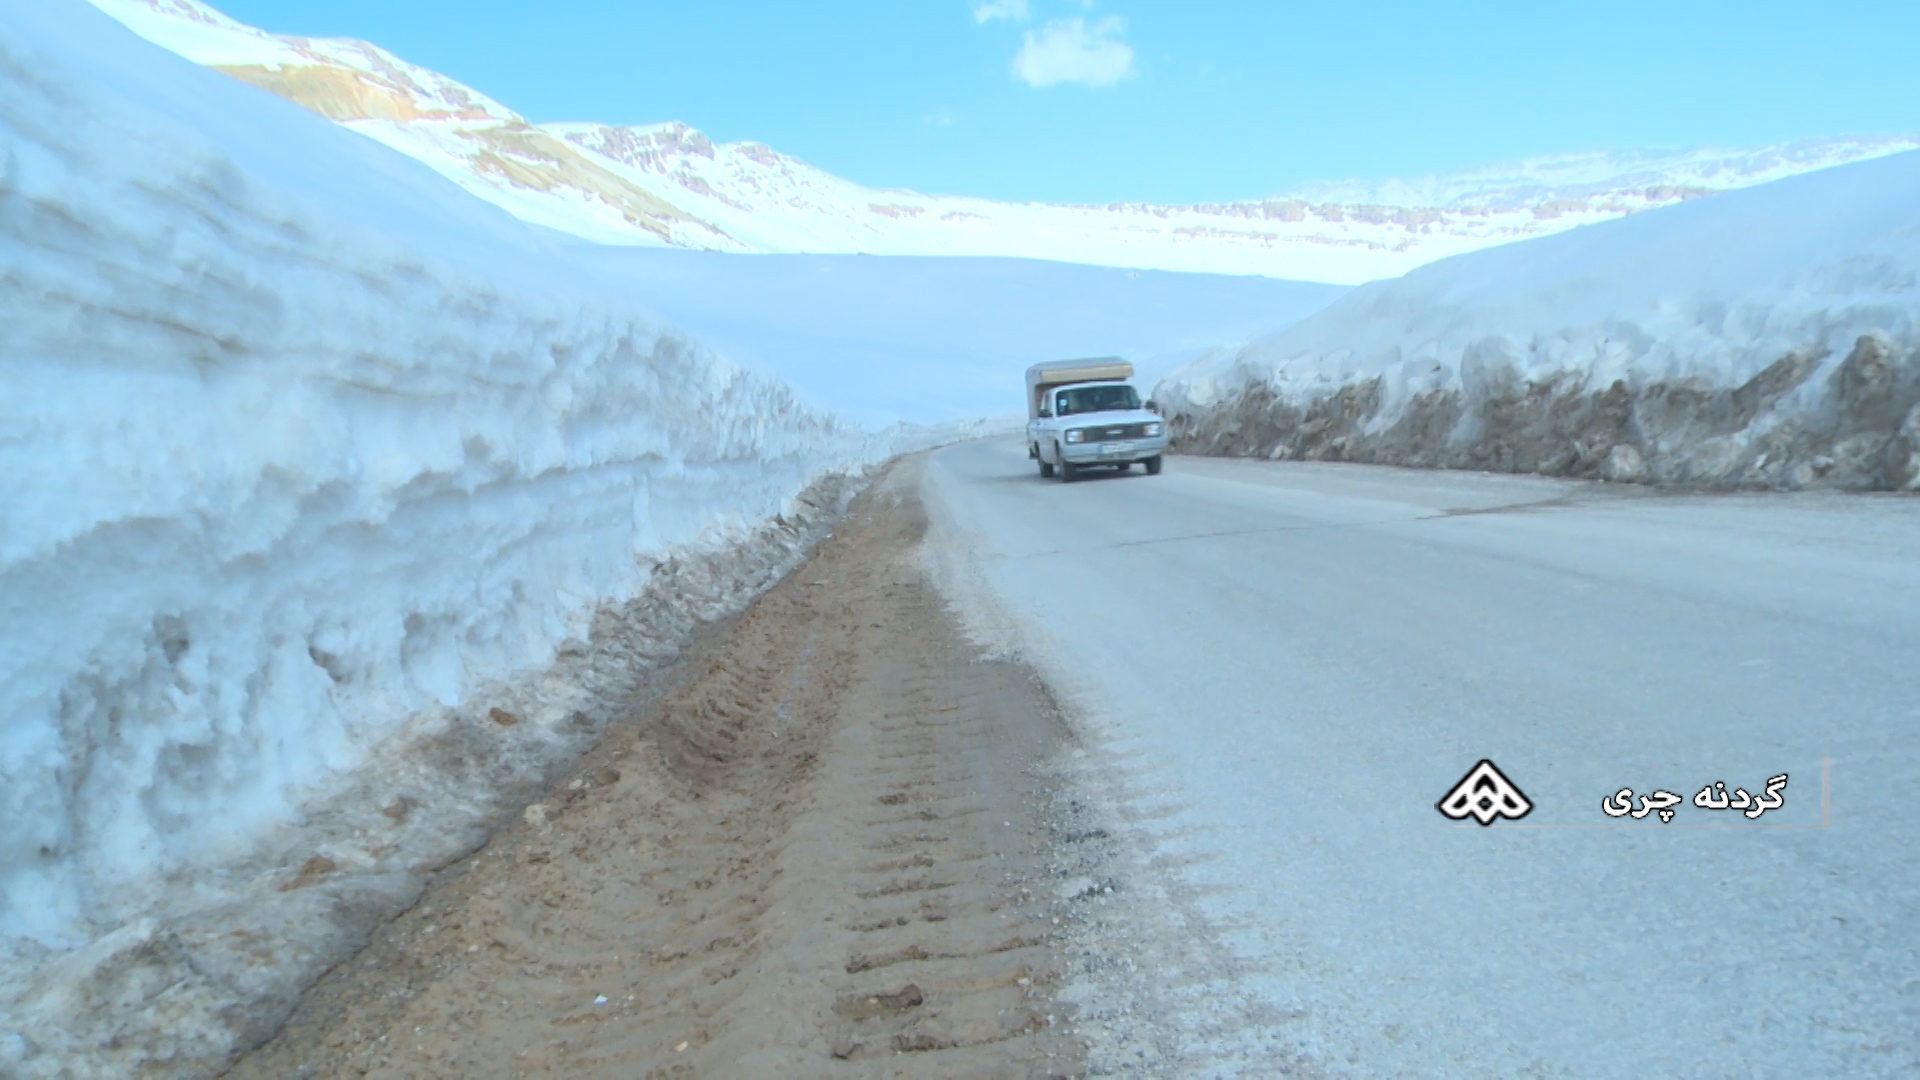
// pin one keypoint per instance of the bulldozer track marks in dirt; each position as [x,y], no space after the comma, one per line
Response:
[816,855]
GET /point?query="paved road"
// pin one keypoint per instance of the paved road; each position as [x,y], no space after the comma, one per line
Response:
[1294,662]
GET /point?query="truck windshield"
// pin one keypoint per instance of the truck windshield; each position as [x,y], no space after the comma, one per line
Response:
[1092,399]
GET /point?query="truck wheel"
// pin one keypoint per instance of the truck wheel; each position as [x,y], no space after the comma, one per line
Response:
[1068,470]
[1153,465]
[1046,470]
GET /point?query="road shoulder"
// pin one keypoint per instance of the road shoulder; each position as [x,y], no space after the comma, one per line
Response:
[826,852]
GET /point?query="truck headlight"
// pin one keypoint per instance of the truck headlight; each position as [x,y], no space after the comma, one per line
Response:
[1076,435]
[1153,430]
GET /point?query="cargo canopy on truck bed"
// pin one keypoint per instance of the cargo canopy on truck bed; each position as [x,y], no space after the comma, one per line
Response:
[1045,376]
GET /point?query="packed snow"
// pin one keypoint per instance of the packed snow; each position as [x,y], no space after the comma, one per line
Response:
[1768,337]
[309,462]
[669,184]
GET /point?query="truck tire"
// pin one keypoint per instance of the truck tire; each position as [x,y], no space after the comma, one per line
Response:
[1068,470]
[1153,465]
[1046,470]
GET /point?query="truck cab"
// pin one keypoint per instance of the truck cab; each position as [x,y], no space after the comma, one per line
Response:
[1085,414]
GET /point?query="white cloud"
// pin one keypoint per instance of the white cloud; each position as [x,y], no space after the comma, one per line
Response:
[1071,51]
[1014,10]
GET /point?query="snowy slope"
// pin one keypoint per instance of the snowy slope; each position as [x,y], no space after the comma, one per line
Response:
[1565,179]
[773,202]
[308,459]
[1763,337]
[669,184]
[931,339]
[461,133]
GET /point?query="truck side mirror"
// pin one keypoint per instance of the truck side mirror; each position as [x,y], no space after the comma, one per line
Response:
[1153,406]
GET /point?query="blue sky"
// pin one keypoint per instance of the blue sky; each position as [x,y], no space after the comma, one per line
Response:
[1198,101]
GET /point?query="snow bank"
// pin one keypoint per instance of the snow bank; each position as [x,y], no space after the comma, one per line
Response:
[308,461]
[1767,337]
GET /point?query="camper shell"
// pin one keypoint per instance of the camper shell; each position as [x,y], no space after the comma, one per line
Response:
[1042,378]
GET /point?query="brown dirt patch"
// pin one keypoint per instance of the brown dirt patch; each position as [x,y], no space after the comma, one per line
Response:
[816,856]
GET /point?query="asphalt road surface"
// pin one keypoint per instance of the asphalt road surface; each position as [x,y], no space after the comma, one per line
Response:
[1286,666]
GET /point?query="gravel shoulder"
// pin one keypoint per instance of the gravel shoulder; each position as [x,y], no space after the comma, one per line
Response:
[824,850]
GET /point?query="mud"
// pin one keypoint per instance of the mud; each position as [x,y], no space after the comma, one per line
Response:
[1807,420]
[823,851]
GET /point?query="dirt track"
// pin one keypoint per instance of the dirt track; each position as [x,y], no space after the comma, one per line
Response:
[821,854]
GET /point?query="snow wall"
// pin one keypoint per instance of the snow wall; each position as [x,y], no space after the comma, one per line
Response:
[309,463]
[1765,338]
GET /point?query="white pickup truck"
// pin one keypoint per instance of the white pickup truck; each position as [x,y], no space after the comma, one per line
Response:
[1083,414]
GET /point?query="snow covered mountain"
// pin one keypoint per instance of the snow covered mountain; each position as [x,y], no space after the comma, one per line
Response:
[668,184]
[1763,338]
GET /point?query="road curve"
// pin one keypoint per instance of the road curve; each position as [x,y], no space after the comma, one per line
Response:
[1291,663]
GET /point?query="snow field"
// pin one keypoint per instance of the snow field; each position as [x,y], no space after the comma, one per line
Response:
[929,339]
[1764,337]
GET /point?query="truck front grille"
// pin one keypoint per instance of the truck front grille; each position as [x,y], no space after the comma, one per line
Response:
[1114,431]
